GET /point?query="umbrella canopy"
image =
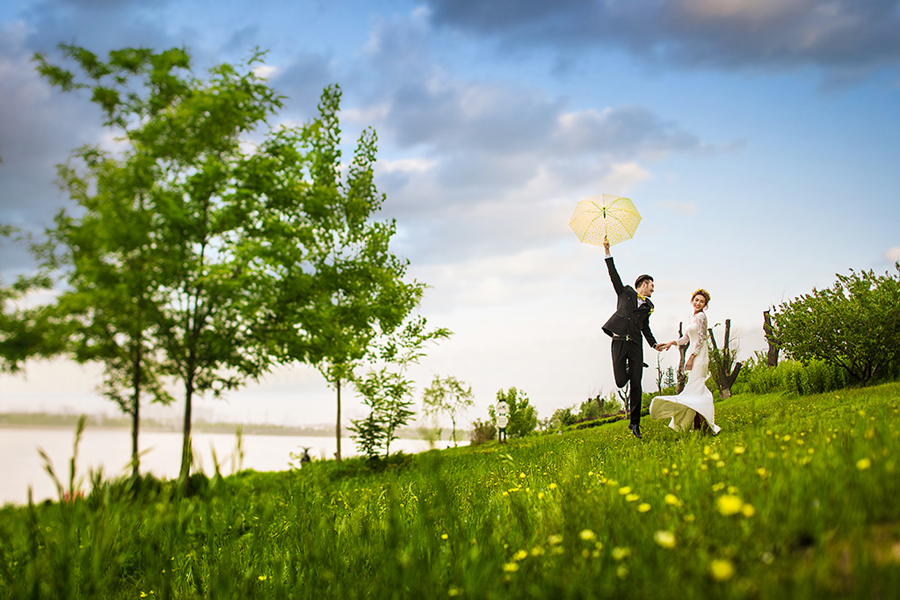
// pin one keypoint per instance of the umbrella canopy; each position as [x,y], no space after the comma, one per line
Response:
[605,216]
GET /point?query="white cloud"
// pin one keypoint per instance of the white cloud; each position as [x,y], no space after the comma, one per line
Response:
[683,208]
[266,71]
[622,176]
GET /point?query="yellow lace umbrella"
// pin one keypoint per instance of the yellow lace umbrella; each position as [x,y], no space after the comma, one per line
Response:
[605,216]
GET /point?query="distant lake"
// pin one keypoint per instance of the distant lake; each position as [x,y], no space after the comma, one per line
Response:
[21,466]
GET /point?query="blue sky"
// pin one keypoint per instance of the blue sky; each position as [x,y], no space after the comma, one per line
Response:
[759,140]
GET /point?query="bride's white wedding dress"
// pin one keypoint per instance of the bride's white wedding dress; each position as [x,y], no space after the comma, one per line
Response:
[696,397]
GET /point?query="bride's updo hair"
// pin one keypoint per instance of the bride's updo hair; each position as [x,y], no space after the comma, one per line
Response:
[701,292]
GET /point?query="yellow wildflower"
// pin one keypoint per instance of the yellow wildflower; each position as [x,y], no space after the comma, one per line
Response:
[747,510]
[739,449]
[263,577]
[631,497]
[729,505]
[444,536]
[520,555]
[666,539]
[618,553]
[863,464]
[721,569]
[587,535]
[511,567]
[552,486]
[643,507]
[625,490]
[554,540]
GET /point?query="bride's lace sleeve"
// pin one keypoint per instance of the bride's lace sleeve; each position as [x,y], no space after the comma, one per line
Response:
[702,334]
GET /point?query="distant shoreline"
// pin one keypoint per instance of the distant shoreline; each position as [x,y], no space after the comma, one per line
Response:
[69,421]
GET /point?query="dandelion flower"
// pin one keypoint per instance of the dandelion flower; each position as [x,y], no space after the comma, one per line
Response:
[644,507]
[552,486]
[747,510]
[618,553]
[444,536]
[554,540]
[511,567]
[863,464]
[632,497]
[587,535]
[721,569]
[263,577]
[521,475]
[666,539]
[729,505]
[762,471]
[625,490]
[537,551]
[520,555]
[739,449]
[672,500]
[452,592]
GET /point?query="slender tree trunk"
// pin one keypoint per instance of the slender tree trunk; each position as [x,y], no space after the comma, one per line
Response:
[186,451]
[337,428]
[136,412]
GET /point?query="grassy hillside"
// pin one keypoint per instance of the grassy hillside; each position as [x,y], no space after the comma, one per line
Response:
[796,498]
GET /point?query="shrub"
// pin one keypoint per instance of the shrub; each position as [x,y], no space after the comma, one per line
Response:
[854,325]
[482,432]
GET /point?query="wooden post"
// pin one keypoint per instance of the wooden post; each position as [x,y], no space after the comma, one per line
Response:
[681,378]
[772,352]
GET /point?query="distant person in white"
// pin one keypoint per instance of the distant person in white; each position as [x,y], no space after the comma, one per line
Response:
[693,407]
[502,420]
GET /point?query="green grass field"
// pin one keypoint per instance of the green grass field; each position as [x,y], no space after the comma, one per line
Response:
[797,497]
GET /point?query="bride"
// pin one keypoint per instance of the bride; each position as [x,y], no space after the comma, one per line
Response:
[695,403]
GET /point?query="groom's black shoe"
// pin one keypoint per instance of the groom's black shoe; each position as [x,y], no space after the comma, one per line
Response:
[636,430]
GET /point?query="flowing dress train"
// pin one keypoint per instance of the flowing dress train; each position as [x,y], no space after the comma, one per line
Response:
[695,398]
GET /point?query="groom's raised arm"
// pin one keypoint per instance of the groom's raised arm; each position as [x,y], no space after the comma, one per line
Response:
[613,274]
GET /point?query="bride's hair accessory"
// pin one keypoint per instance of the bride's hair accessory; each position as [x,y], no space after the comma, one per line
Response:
[701,292]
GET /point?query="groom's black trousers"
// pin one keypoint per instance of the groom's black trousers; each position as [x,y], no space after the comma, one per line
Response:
[628,365]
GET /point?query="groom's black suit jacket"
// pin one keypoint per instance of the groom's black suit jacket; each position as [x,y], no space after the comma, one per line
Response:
[629,320]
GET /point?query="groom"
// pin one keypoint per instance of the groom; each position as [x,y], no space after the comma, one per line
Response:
[631,319]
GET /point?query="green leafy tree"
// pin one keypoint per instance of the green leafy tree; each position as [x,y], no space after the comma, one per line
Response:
[340,288]
[447,396]
[26,330]
[523,419]
[389,398]
[183,155]
[854,325]
[388,392]
[111,308]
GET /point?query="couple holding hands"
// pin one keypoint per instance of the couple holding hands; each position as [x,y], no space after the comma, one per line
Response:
[693,407]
